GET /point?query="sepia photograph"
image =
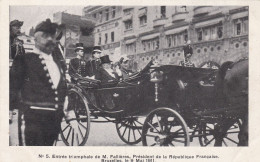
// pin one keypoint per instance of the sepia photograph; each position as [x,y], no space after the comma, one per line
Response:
[96,75]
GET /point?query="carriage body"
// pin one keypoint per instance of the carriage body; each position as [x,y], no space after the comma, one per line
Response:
[190,92]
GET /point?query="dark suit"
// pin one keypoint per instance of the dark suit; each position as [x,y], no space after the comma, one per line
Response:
[14,48]
[93,67]
[187,50]
[105,77]
[31,86]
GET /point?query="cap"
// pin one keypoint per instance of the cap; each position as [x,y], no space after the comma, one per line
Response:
[96,49]
[16,23]
[47,27]
[79,46]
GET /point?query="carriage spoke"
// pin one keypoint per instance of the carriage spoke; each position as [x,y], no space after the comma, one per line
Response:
[77,138]
[124,132]
[153,127]
[139,122]
[134,134]
[72,139]
[178,140]
[231,140]
[153,144]
[206,144]
[120,126]
[129,134]
[83,125]
[149,135]
[68,134]
[80,132]
[65,127]
[225,143]
[138,129]
[158,122]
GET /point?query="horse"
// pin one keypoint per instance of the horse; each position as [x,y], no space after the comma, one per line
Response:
[232,84]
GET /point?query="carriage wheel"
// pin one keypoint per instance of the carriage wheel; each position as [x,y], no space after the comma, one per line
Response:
[75,132]
[165,127]
[230,137]
[130,130]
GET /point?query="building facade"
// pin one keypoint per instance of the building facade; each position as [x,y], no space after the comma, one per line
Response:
[108,27]
[72,33]
[217,33]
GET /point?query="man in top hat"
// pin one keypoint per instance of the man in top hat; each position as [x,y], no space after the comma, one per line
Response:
[77,66]
[16,45]
[38,83]
[188,52]
[93,64]
[106,74]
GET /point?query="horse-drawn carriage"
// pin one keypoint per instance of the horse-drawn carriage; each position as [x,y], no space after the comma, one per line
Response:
[179,104]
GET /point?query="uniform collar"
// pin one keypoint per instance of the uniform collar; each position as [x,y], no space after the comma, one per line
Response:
[43,54]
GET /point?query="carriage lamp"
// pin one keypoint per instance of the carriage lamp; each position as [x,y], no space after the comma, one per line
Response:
[156,77]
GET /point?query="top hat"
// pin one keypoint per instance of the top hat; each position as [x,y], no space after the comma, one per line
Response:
[96,49]
[79,46]
[47,27]
[105,59]
[16,23]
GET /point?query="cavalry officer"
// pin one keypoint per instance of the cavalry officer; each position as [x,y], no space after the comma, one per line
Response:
[93,65]
[37,81]
[16,45]
[77,66]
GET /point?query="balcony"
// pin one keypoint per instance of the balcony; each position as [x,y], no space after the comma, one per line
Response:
[179,16]
[202,10]
[159,22]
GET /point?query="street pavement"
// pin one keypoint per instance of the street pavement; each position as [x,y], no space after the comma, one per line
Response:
[101,134]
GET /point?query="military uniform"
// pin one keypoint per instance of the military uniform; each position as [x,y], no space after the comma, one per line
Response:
[32,86]
[77,68]
[93,67]
[38,84]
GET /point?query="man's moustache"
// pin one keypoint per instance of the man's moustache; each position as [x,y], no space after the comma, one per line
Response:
[50,44]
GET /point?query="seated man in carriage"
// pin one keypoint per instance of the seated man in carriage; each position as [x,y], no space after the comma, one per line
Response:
[77,66]
[106,74]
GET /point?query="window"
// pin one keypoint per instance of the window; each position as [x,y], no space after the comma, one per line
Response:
[128,24]
[99,40]
[241,26]
[95,15]
[105,38]
[112,37]
[199,34]
[130,48]
[100,16]
[143,20]
[151,44]
[238,28]
[107,14]
[220,31]
[128,11]
[163,11]
[113,12]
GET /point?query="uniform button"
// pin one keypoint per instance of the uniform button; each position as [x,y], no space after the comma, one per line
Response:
[43,62]
[52,87]
[50,81]
[56,92]
[56,99]
[56,106]
[45,68]
[47,75]
[40,56]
